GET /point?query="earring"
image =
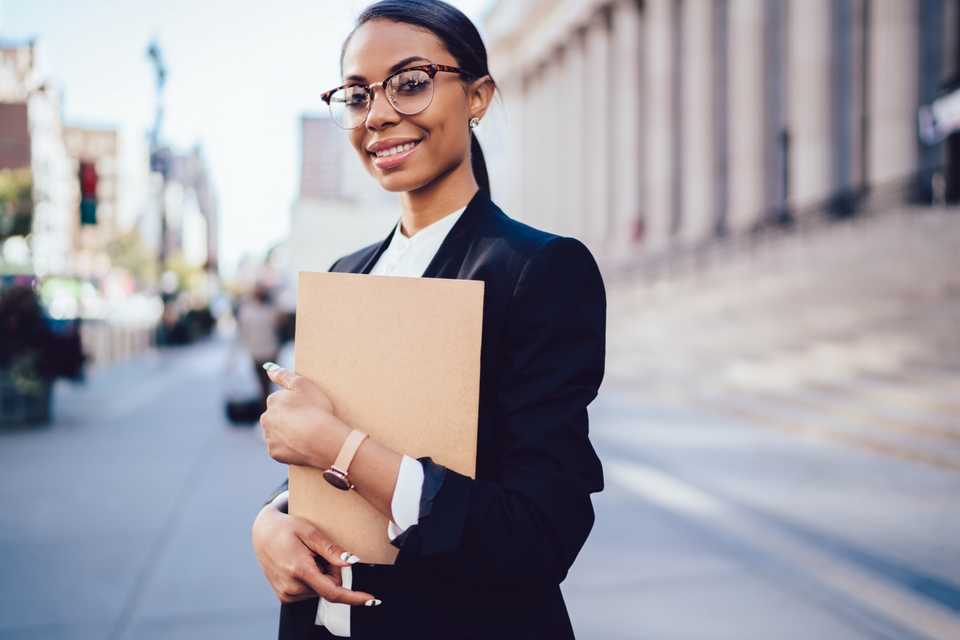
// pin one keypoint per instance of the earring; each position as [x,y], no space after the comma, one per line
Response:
[474,122]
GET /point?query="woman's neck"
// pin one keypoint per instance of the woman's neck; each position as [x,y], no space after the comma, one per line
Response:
[424,206]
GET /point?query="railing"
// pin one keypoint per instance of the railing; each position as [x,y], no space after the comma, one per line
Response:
[106,343]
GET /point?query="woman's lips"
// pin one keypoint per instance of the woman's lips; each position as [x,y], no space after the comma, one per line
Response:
[391,162]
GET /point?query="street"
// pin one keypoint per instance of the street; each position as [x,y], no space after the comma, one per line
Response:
[753,490]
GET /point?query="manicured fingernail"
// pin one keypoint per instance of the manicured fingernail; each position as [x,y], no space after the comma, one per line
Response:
[372,603]
[270,365]
[345,555]
[353,559]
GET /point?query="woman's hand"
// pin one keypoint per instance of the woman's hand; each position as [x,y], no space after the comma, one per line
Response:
[287,548]
[299,426]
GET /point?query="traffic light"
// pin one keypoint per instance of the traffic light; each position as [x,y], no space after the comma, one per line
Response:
[88,192]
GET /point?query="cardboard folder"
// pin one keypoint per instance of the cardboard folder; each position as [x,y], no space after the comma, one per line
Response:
[400,360]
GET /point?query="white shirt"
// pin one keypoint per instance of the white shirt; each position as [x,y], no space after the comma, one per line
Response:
[407,257]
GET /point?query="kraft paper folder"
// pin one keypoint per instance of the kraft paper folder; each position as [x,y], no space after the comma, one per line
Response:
[400,360]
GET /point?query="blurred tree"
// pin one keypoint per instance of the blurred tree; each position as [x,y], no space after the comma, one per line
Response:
[16,202]
[191,277]
[128,251]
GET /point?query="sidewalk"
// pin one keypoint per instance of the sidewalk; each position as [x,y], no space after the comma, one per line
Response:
[130,516]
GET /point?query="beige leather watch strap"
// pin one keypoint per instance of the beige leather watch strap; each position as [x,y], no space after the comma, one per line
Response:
[348,450]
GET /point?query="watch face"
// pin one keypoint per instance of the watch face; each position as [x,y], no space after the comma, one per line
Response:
[337,479]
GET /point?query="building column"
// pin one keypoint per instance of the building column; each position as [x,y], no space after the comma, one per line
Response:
[627,134]
[892,92]
[847,103]
[597,125]
[573,107]
[660,121]
[696,121]
[551,144]
[746,111]
[509,172]
[530,174]
[809,98]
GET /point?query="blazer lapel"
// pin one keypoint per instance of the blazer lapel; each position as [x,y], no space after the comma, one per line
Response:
[449,257]
[367,266]
[446,262]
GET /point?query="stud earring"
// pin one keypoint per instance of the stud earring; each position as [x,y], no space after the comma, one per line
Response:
[474,122]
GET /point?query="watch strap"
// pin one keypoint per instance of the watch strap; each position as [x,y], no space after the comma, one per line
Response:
[348,451]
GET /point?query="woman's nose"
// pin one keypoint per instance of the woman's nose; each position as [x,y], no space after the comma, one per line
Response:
[381,111]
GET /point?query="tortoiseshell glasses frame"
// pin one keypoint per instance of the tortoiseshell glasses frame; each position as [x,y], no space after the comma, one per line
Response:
[350,103]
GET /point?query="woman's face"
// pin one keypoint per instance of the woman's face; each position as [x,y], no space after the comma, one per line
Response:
[440,134]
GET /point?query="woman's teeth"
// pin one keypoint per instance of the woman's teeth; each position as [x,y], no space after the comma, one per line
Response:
[392,151]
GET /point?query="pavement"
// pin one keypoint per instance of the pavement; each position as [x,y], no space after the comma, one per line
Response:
[780,437]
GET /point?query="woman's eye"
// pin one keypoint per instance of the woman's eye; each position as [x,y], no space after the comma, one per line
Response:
[412,85]
[356,100]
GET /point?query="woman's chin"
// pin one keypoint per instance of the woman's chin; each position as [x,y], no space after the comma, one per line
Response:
[397,182]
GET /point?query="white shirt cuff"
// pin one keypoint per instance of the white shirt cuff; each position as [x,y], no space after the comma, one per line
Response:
[335,616]
[282,499]
[405,505]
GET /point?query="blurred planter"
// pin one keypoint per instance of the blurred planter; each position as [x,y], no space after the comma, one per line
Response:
[32,356]
[24,402]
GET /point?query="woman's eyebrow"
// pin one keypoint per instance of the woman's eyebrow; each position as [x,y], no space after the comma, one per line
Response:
[396,67]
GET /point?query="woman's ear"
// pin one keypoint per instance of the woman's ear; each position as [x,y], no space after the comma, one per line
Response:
[480,95]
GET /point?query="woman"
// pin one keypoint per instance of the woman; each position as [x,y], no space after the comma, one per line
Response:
[478,558]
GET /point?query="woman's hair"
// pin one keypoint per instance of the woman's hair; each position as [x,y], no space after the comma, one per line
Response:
[459,36]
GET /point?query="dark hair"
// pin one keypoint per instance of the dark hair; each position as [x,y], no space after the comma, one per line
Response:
[459,36]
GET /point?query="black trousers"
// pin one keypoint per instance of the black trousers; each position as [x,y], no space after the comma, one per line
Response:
[297,621]
[437,612]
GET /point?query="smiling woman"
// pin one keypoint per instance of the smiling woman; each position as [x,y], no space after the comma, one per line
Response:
[478,557]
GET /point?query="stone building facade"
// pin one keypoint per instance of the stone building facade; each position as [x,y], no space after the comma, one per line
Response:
[641,126]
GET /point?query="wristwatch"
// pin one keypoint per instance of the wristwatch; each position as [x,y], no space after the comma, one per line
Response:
[337,474]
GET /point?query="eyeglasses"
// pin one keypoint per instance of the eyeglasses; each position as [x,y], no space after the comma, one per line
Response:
[410,91]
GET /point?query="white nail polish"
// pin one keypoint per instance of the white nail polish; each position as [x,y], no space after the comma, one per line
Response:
[372,603]
[345,555]
[353,559]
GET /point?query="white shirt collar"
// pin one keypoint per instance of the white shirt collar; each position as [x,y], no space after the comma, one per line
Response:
[438,229]
[411,256]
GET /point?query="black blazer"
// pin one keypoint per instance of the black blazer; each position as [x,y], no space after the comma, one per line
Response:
[488,555]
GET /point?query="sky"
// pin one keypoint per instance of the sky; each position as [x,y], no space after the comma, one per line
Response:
[240,75]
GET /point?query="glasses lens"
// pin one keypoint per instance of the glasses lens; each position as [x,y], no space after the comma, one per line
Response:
[410,92]
[348,106]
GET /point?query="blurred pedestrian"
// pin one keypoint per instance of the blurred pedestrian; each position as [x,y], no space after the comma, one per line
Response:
[257,326]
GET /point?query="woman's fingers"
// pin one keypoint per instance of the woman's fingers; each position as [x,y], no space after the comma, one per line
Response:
[283,377]
[324,586]
[300,562]
[334,556]
[331,552]
[294,591]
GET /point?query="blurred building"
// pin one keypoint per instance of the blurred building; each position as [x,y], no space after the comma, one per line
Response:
[183,219]
[193,210]
[339,207]
[644,126]
[32,148]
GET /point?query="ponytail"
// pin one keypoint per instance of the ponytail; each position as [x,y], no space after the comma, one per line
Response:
[479,164]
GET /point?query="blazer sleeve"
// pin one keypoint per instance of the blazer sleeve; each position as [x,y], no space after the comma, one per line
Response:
[530,522]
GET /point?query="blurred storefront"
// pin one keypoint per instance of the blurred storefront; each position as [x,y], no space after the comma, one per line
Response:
[61,231]
[647,127]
